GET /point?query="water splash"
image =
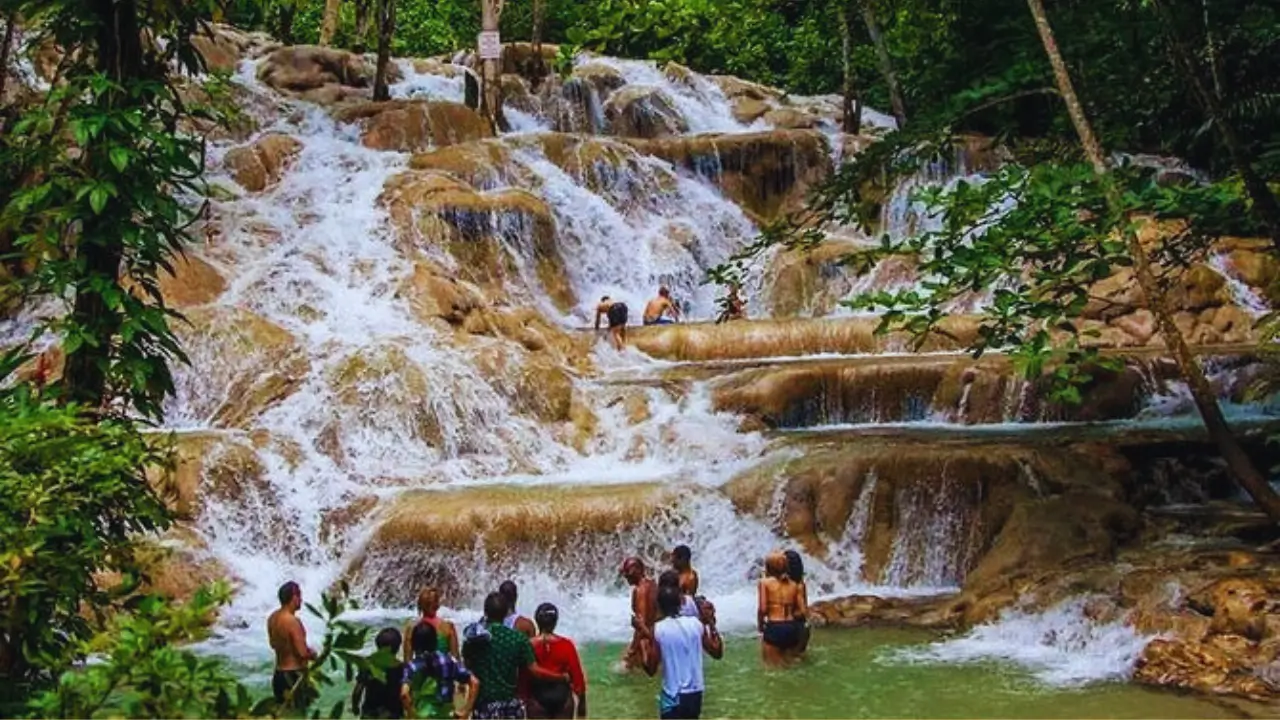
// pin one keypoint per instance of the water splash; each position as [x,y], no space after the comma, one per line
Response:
[1061,646]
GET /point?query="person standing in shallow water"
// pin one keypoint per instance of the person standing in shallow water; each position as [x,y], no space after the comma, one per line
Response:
[288,640]
[688,605]
[495,654]
[558,654]
[781,613]
[616,313]
[644,608]
[428,614]
[682,563]
[384,695]
[514,619]
[432,677]
[795,568]
[676,644]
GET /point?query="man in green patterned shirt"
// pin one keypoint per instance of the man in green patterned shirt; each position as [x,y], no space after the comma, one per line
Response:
[495,654]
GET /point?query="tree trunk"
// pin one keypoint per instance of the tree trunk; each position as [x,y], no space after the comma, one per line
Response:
[329,23]
[120,57]
[491,69]
[386,28]
[10,27]
[886,64]
[1238,461]
[1265,204]
[1211,51]
[287,12]
[539,67]
[364,17]
[849,105]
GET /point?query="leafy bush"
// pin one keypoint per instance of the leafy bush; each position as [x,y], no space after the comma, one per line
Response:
[73,499]
[144,670]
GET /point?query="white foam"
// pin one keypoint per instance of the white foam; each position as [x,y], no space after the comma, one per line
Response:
[1061,646]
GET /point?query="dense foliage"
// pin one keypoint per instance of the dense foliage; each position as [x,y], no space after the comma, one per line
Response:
[975,65]
[73,498]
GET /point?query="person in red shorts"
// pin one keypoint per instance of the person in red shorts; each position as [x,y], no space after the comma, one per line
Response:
[558,699]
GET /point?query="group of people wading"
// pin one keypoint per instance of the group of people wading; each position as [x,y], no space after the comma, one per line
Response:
[507,665]
[661,310]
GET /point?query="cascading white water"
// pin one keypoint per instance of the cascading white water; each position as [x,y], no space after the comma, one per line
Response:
[386,403]
[1062,646]
[703,106]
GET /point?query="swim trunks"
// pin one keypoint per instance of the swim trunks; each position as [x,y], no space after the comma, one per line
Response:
[617,314]
[282,681]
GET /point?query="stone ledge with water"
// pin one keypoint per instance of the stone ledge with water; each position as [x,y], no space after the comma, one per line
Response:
[390,386]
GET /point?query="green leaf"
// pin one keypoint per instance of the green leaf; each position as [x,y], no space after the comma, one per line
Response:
[119,158]
[98,199]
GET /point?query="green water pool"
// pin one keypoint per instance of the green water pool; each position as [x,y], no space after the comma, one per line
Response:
[852,674]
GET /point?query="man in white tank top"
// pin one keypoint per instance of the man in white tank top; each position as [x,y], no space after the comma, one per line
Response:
[677,644]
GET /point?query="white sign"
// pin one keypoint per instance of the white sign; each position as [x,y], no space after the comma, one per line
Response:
[490,45]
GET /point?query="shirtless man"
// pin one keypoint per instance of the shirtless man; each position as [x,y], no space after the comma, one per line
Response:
[656,312]
[681,562]
[781,613]
[514,619]
[616,313]
[288,639]
[644,609]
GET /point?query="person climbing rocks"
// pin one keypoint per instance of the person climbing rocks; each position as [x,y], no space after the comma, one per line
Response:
[660,310]
[676,643]
[514,619]
[644,608]
[557,653]
[433,677]
[288,639]
[682,563]
[688,605]
[781,613]
[795,568]
[495,654]
[735,308]
[380,692]
[428,613]
[616,314]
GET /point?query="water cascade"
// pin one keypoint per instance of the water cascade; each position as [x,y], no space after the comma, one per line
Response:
[392,382]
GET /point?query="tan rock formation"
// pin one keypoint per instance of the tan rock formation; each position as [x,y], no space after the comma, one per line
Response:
[414,125]
[434,208]
[639,111]
[222,47]
[604,78]
[480,164]
[192,282]
[786,118]
[436,537]
[785,338]
[261,164]
[300,68]
[768,173]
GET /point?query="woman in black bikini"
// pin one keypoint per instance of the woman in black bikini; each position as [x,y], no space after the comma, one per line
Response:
[781,614]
